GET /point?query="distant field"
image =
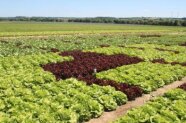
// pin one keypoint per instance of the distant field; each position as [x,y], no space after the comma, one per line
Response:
[48,28]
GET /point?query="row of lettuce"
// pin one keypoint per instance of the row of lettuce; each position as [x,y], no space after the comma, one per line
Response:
[148,52]
[30,94]
[147,75]
[28,45]
[169,108]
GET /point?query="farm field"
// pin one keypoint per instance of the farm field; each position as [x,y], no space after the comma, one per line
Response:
[71,72]
[10,29]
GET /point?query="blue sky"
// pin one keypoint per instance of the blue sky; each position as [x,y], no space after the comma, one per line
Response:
[93,8]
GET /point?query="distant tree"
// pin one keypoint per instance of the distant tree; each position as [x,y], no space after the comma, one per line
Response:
[142,20]
[177,23]
[184,23]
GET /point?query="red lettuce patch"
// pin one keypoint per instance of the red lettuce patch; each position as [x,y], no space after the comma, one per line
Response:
[84,64]
[162,61]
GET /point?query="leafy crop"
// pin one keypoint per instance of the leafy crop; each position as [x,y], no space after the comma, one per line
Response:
[79,41]
[131,91]
[30,94]
[149,53]
[167,109]
[148,76]
[83,65]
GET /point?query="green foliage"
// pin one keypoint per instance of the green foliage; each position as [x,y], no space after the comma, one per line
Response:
[25,45]
[147,75]
[148,53]
[135,20]
[30,94]
[166,109]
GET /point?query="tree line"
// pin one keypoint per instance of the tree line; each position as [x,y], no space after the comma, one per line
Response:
[137,20]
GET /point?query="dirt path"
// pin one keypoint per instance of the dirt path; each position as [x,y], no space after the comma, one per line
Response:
[108,117]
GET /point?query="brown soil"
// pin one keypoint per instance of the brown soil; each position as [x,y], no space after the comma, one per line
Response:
[108,117]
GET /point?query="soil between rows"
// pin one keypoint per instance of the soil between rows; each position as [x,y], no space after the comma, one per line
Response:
[108,117]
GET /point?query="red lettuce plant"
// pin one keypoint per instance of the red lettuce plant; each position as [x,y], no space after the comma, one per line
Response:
[83,67]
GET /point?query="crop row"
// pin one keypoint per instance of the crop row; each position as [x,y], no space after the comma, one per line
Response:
[34,60]
[25,45]
[169,108]
[131,91]
[30,94]
[147,75]
[66,101]
[85,65]
[149,53]
[162,61]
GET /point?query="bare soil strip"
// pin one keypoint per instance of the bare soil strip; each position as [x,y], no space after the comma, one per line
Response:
[108,117]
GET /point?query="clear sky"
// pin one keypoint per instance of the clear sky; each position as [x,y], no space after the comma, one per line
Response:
[93,8]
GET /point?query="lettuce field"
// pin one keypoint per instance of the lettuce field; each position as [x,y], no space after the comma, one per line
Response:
[74,74]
